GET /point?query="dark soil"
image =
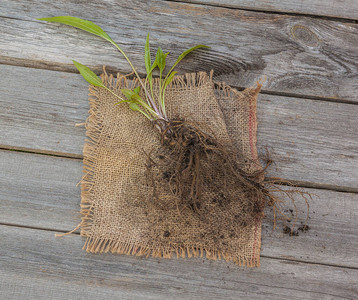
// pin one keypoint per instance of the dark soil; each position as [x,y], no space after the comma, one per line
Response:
[204,175]
[303,228]
[290,231]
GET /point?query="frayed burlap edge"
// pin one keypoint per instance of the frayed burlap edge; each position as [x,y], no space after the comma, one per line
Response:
[249,93]
[93,131]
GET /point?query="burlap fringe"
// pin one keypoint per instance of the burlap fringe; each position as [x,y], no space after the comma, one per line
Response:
[104,245]
[227,91]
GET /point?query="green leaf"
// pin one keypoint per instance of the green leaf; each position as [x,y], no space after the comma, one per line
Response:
[149,76]
[129,94]
[169,80]
[134,106]
[154,65]
[137,90]
[185,53]
[91,28]
[139,99]
[151,69]
[135,98]
[87,74]
[123,101]
[147,59]
[160,58]
[81,24]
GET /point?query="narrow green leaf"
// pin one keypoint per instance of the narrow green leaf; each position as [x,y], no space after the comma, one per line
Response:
[128,93]
[87,74]
[137,90]
[135,98]
[91,28]
[138,98]
[154,65]
[149,76]
[169,80]
[81,24]
[160,58]
[124,101]
[134,106]
[185,53]
[147,59]
[132,95]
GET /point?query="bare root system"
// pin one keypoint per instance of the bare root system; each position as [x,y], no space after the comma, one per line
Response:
[207,178]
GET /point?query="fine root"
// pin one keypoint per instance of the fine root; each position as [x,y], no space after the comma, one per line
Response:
[206,179]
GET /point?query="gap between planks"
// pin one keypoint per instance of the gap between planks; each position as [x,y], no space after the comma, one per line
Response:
[297,62]
[67,68]
[40,192]
[233,7]
[296,183]
[60,267]
[296,14]
[300,133]
[264,256]
[41,152]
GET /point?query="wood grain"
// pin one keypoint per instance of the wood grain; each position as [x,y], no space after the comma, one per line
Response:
[42,267]
[298,55]
[40,191]
[338,9]
[47,106]
[311,141]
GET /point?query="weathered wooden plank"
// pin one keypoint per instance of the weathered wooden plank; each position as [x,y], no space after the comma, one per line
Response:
[40,191]
[299,55]
[47,106]
[338,9]
[36,265]
[311,141]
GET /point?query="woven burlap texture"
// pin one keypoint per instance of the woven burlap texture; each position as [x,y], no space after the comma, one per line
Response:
[116,215]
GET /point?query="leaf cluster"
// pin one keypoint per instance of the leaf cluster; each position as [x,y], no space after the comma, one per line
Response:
[150,107]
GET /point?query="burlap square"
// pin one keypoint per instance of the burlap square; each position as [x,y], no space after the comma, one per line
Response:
[115,205]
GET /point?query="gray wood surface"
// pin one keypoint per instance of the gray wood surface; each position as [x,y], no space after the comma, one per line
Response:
[311,141]
[328,8]
[299,55]
[43,113]
[59,269]
[307,117]
[40,191]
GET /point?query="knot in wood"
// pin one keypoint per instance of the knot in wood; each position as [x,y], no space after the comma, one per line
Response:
[305,36]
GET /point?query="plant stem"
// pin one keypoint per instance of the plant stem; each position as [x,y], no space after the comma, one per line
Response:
[150,110]
[140,81]
[109,90]
[160,90]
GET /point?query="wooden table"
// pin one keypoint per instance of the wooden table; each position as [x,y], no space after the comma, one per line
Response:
[307,115]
